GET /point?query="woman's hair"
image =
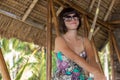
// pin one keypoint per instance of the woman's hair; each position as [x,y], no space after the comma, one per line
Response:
[65,12]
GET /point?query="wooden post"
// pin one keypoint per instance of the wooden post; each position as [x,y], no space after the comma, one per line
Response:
[49,41]
[55,19]
[111,57]
[3,68]
[115,46]
[51,12]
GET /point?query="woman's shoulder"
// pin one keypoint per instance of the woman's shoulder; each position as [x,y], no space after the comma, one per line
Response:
[59,38]
[59,43]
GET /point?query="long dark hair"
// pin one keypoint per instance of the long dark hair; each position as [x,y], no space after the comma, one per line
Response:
[65,12]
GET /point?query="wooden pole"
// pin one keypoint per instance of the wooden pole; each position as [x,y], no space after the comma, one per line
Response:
[55,19]
[115,46]
[51,12]
[91,5]
[109,10]
[111,57]
[3,68]
[49,42]
[114,22]
[29,10]
[94,21]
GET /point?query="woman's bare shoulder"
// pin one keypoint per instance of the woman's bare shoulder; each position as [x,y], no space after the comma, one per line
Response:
[59,39]
[59,42]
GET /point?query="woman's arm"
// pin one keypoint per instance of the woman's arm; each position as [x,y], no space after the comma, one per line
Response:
[60,45]
[91,57]
[90,53]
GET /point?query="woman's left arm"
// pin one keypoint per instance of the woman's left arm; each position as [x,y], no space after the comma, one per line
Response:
[90,53]
[92,60]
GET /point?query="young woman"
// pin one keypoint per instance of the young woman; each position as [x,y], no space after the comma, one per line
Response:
[72,50]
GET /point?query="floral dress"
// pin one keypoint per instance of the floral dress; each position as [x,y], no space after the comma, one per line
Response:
[69,70]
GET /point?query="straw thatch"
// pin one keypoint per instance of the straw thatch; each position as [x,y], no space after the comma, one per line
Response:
[27,19]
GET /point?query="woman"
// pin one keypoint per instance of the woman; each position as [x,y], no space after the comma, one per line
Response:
[72,50]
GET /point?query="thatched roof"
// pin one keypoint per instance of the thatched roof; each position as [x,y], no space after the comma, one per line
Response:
[27,19]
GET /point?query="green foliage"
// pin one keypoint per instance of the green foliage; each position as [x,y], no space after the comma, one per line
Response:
[5,45]
[102,54]
[24,57]
[53,62]
[19,75]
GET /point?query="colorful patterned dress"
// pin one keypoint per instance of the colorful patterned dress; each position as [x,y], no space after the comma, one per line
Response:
[69,70]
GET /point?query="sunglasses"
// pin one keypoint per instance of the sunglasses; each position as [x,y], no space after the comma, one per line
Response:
[69,18]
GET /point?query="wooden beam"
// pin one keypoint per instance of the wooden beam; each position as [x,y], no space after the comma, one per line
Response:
[8,14]
[94,21]
[78,8]
[96,30]
[111,57]
[29,10]
[109,10]
[60,3]
[59,10]
[114,22]
[49,41]
[91,5]
[3,68]
[115,46]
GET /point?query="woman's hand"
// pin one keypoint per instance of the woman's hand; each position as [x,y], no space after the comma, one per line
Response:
[99,76]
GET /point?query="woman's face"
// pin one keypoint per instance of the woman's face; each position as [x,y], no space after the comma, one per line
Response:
[71,21]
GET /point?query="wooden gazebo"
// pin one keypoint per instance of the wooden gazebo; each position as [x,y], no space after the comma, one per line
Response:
[31,20]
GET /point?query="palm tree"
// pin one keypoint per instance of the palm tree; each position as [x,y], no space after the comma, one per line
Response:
[24,58]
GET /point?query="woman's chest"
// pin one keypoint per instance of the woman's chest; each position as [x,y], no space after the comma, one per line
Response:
[77,47]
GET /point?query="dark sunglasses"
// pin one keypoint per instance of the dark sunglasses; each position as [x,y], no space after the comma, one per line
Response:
[69,18]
